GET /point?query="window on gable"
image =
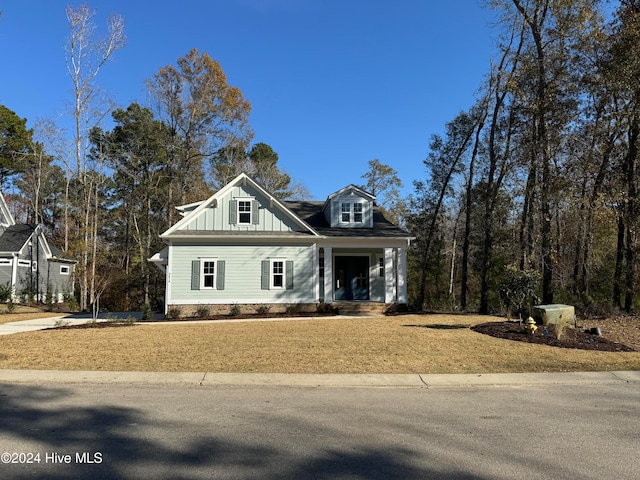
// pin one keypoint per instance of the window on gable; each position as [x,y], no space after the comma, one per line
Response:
[244,212]
[351,212]
[64,270]
[357,212]
[346,212]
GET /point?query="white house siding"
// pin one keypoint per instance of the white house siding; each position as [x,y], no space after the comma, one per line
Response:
[216,217]
[242,279]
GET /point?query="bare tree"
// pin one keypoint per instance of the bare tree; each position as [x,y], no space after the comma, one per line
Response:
[86,54]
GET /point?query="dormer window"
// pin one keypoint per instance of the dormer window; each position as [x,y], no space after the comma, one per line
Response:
[346,212]
[357,213]
[351,212]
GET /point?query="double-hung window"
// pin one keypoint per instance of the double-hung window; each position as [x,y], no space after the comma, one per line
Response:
[351,212]
[208,275]
[346,213]
[357,212]
[277,274]
[244,212]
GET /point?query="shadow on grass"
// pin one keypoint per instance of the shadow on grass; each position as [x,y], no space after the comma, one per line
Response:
[438,326]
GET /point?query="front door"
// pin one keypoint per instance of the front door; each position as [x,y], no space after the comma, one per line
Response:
[351,278]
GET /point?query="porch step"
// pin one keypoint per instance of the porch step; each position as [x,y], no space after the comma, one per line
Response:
[360,308]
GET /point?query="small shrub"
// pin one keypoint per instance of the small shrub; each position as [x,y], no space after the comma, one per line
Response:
[173,313]
[61,322]
[323,307]
[6,292]
[130,320]
[71,301]
[202,311]
[397,309]
[11,306]
[263,310]
[147,312]
[293,308]
[234,310]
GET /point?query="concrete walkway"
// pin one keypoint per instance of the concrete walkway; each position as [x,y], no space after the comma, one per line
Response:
[48,322]
[319,380]
[158,319]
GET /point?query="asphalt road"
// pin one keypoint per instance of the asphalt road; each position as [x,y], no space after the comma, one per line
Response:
[568,430]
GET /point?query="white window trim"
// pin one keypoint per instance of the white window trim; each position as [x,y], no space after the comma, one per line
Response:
[342,212]
[24,263]
[380,267]
[203,260]
[6,261]
[65,270]
[352,213]
[272,274]
[248,200]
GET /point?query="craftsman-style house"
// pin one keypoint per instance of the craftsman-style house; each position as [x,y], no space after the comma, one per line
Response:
[242,246]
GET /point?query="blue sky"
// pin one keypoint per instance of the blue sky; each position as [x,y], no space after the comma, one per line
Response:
[332,83]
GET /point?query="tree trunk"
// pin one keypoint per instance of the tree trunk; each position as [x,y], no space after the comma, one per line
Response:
[620,254]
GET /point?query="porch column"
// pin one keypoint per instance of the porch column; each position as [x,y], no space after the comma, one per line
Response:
[328,275]
[389,276]
[402,275]
[316,272]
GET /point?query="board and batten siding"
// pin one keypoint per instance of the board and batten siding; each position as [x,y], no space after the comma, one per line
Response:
[218,217]
[242,274]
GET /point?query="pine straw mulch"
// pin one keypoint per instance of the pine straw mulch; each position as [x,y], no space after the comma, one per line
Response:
[618,334]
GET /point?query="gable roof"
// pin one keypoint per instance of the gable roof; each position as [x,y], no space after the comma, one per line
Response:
[242,179]
[15,237]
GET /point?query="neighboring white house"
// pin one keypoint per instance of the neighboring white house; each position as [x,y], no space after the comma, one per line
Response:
[29,265]
[244,247]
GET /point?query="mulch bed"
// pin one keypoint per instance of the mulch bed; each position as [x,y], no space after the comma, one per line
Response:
[545,335]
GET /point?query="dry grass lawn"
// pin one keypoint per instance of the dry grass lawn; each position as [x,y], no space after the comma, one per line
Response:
[403,344]
[23,312]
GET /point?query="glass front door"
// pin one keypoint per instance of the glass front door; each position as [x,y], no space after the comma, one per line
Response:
[351,280]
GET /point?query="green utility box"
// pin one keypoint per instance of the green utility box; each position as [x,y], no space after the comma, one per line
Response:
[545,314]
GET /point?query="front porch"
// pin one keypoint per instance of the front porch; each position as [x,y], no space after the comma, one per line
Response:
[359,307]
[374,274]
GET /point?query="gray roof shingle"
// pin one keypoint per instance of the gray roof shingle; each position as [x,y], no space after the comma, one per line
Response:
[312,214]
[15,236]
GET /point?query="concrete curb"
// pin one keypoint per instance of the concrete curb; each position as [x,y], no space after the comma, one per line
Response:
[318,380]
